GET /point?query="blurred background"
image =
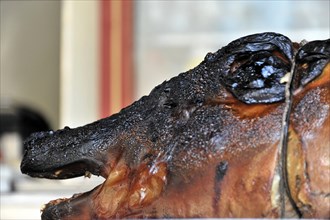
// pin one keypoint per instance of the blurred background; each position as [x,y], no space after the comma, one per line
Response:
[68,63]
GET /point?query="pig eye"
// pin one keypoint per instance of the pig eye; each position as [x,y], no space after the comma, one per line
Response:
[255,65]
[256,77]
[310,61]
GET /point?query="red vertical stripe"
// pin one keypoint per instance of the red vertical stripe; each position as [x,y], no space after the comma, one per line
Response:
[127,52]
[116,48]
[105,58]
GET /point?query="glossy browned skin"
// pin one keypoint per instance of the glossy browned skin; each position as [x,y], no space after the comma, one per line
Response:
[207,147]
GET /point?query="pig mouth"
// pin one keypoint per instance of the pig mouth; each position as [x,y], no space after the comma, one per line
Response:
[83,167]
[123,189]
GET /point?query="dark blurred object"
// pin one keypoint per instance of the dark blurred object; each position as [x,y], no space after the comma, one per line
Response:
[17,122]
[22,120]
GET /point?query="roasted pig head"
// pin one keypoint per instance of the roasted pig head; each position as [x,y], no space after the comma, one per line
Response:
[244,134]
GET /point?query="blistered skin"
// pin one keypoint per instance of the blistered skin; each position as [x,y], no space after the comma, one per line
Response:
[205,143]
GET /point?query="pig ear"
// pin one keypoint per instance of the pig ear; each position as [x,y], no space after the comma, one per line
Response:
[254,66]
[310,62]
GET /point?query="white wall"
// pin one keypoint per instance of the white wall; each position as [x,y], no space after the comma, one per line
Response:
[79,63]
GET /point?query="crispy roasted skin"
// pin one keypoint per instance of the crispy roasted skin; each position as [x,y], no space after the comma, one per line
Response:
[207,143]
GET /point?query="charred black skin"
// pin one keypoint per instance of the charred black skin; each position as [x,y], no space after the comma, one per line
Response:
[177,116]
[162,114]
